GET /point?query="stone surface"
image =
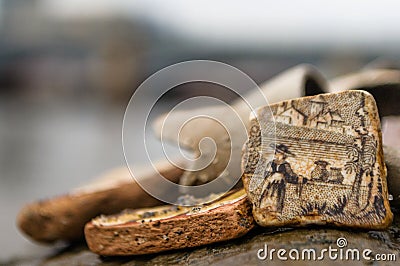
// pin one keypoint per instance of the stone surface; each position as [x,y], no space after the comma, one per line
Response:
[328,166]
[241,251]
[170,227]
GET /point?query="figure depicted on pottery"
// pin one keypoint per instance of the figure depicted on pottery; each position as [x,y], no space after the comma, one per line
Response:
[328,166]
[278,174]
[320,173]
[336,175]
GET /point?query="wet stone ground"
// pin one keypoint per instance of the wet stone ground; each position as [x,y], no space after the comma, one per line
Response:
[243,251]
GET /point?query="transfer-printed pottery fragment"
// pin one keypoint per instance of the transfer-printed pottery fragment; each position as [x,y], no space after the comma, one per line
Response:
[328,165]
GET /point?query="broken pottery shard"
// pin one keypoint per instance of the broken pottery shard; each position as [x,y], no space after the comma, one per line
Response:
[63,218]
[328,165]
[152,230]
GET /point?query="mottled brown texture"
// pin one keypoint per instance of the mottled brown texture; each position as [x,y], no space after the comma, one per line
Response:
[192,229]
[64,217]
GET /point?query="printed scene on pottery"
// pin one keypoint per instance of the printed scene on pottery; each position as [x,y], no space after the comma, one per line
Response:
[326,166]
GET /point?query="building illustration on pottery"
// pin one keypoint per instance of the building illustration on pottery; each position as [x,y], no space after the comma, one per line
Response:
[327,166]
[320,116]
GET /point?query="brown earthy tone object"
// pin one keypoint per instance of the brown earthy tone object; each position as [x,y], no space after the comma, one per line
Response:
[328,166]
[64,217]
[153,230]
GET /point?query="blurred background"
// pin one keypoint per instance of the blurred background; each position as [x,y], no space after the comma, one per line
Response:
[68,69]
